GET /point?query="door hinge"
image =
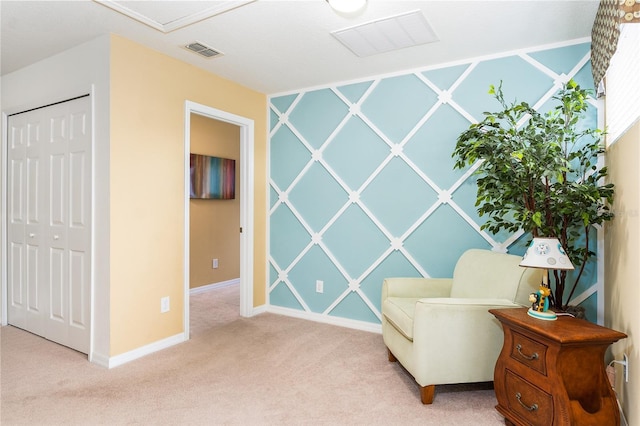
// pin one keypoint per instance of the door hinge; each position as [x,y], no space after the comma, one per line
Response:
[241,229]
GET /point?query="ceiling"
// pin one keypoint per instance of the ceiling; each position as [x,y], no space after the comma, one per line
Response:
[276,46]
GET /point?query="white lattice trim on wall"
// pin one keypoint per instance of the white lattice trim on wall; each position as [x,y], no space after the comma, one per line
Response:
[396,243]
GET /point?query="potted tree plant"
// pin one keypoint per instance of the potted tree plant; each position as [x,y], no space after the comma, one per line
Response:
[539,172]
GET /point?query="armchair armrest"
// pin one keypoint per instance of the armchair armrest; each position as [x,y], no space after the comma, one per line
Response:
[416,287]
[465,303]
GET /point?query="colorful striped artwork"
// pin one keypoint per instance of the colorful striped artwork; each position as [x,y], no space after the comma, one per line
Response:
[212,177]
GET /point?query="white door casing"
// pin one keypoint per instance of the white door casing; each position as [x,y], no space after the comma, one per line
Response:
[246,203]
[49,222]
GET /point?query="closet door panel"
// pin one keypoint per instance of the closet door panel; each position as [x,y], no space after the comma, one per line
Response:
[50,222]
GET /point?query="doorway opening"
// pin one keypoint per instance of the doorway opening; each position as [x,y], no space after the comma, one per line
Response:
[246,188]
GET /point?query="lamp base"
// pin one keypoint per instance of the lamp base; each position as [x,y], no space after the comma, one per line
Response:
[546,315]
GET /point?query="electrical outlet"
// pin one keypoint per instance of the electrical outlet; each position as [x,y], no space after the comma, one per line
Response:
[625,367]
[164,304]
[319,286]
[214,264]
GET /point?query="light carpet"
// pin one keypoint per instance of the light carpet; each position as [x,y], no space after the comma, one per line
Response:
[264,370]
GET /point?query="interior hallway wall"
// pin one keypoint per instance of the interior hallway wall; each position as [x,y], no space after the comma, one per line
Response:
[148,95]
[215,224]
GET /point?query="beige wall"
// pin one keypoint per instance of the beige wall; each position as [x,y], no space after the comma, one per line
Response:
[622,251]
[148,94]
[214,224]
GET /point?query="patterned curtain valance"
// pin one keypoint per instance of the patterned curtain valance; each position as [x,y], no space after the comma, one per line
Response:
[606,30]
[629,11]
[604,38]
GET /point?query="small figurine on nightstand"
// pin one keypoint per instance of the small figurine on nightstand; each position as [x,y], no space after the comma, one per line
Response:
[534,298]
[540,304]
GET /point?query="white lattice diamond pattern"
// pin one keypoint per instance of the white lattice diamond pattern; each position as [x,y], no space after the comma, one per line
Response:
[362,179]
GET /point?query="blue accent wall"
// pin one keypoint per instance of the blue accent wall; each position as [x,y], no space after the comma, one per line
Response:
[362,184]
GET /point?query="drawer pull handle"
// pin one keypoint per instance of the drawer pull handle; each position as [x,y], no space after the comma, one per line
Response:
[534,407]
[529,357]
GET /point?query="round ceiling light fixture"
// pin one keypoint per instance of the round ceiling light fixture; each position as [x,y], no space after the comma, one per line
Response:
[347,7]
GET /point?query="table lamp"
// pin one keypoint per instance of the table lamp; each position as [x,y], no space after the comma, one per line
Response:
[544,253]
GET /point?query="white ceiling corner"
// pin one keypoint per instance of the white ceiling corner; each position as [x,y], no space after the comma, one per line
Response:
[167,16]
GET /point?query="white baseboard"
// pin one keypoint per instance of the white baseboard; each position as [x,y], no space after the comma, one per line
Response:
[126,357]
[259,310]
[99,359]
[115,361]
[213,286]
[342,322]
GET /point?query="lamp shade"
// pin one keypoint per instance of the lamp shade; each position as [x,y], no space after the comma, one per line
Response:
[546,253]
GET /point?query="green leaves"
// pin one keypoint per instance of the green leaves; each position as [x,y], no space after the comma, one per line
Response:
[539,172]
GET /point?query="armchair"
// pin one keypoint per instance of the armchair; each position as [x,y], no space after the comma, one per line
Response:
[440,329]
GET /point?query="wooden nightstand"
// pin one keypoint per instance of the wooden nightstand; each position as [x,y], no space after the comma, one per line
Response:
[552,372]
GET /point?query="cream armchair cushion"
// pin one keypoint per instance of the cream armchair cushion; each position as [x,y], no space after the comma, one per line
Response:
[440,329]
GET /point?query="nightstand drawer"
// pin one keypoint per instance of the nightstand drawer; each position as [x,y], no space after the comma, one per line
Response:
[532,404]
[529,352]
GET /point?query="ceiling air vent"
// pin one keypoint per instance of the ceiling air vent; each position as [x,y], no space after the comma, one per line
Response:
[202,50]
[385,35]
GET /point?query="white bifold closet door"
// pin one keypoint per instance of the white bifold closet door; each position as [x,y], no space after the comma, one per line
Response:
[49,222]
